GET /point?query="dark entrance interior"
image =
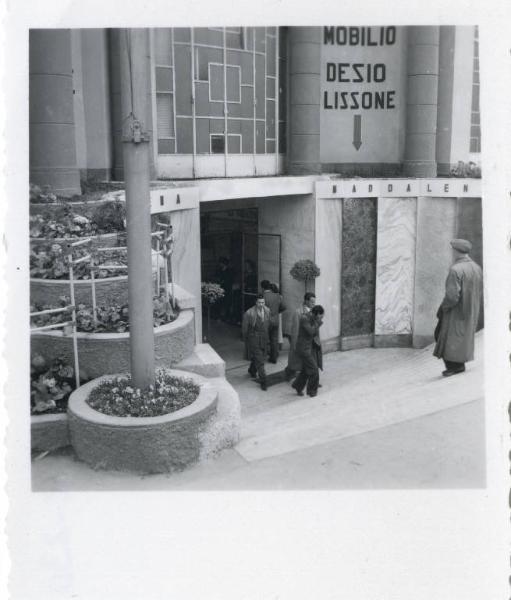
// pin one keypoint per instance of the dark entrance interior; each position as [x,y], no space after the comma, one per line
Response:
[232,234]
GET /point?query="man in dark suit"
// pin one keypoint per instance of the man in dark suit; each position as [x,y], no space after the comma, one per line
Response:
[308,348]
[459,312]
[255,329]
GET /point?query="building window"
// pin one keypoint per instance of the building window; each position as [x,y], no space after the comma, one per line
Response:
[475,115]
[217,143]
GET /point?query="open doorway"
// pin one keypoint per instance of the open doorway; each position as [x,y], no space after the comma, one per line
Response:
[237,256]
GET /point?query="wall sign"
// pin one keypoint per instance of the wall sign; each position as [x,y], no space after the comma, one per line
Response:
[362,94]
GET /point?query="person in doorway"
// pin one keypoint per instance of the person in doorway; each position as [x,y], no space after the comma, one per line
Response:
[459,312]
[255,330]
[293,361]
[249,283]
[308,348]
[224,277]
[273,301]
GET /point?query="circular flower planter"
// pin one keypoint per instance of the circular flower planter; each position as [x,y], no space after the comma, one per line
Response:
[110,290]
[103,353]
[141,444]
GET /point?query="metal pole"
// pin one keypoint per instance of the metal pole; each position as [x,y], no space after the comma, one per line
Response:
[134,100]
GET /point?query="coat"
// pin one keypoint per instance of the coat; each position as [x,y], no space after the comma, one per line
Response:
[308,343]
[255,340]
[294,361]
[275,304]
[459,311]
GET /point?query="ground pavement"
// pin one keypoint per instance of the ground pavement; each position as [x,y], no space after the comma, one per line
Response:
[384,418]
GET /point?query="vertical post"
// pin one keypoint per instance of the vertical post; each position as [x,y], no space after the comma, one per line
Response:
[73,318]
[136,152]
[93,289]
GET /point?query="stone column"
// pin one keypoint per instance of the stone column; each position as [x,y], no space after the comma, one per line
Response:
[52,127]
[445,97]
[305,95]
[422,102]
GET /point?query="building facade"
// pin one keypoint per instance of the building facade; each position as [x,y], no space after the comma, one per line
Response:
[330,143]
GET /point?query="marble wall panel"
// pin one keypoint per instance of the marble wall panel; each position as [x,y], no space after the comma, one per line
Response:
[358,279]
[436,226]
[186,262]
[395,265]
[328,259]
[470,227]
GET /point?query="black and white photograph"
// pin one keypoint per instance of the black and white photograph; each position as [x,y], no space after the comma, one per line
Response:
[257,261]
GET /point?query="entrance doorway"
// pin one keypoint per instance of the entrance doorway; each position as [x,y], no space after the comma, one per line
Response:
[238,257]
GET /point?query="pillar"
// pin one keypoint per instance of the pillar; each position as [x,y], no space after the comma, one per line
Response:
[51,112]
[422,102]
[305,95]
[445,99]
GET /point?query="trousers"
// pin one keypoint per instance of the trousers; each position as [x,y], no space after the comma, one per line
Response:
[308,376]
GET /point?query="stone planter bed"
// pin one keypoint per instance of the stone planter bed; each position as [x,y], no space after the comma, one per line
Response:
[49,432]
[103,353]
[141,444]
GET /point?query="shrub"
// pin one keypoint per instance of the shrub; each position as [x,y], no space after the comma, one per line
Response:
[51,262]
[211,292]
[50,385]
[110,217]
[117,397]
[109,319]
[41,195]
[305,270]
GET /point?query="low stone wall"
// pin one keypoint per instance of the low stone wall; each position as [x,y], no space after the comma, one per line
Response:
[140,444]
[102,353]
[111,290]
[49,432]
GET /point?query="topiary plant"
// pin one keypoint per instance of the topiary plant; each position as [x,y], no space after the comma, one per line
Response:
[305,270]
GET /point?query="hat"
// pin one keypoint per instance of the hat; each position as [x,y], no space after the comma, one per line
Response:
[461,245]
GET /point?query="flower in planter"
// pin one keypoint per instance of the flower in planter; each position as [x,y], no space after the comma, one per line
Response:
[169,394]
[51,388]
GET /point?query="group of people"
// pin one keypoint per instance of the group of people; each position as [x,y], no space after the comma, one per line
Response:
[260,330]
[454,335]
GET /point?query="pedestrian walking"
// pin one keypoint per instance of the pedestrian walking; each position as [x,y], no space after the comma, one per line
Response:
[293,361]
[459,312]
[274,302]
[255,329]
[308,348]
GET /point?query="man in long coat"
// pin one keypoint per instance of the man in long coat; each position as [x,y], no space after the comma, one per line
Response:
[273,301]
[459,311]
[255,329]
[294,362]
[308,348]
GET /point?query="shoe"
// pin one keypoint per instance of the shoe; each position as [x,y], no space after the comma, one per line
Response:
[264,387]
[448,372]
[273,361]
[313,394]
[253,375]
[299,393]
[319,385]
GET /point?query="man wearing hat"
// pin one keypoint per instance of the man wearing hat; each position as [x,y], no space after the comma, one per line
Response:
[459,312]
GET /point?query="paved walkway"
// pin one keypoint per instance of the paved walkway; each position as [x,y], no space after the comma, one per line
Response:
[384,418]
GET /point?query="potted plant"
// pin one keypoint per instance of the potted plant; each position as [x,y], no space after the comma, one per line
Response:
[305,270]
[211,293]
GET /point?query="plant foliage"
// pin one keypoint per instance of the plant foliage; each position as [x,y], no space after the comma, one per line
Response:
[211,292]
[50,386]
[304,270]
[109,319]
[118,397]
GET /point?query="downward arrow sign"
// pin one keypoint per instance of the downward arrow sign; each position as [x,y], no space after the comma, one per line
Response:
[357,131]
